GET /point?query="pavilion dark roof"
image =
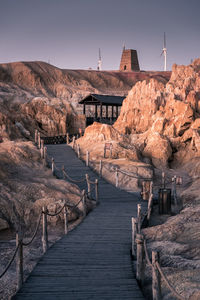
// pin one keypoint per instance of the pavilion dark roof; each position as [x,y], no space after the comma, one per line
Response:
[104,99]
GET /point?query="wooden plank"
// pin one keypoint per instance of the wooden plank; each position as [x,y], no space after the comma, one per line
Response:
[93,261]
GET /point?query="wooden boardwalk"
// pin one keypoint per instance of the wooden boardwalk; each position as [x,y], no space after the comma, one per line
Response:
[93,261]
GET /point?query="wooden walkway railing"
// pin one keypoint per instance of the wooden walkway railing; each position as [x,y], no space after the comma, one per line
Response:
[138,248]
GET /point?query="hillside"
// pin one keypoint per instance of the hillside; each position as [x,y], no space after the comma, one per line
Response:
[39,95]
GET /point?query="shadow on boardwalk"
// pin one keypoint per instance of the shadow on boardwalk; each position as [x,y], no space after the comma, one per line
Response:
[93,261]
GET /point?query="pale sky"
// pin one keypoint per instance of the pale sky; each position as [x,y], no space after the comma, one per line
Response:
[69,33]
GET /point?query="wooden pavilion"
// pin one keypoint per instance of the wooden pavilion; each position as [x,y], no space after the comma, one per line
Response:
[101,108]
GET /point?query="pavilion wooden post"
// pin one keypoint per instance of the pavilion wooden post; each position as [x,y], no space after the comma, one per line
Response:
[101,111]
[112,112]
[44,229]
[117,111]
[84,108]
[106,111]
[156,280]
[96,114]
[19,260]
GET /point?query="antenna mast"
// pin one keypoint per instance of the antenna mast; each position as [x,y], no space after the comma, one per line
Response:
[99,67]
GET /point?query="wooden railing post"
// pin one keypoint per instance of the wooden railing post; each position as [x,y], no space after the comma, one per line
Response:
[65,220]
[150,203]
[116,178]
[84,202]
[163,179]
[42,149]
[140,257]
[44,229]
[45,156]
[100,168]
[19,260]
[97,190]
[39,140]
[156,282]
[53,166]
[78,151]
[73,142]
[88,185]
[174,190]
[36,136]
[87,158]
[67,138]
[134,232]
[139,218]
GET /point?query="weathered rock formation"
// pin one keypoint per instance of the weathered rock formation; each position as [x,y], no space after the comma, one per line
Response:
[38,95]
[164,119]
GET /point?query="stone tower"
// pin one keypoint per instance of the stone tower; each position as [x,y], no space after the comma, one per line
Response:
[129,60]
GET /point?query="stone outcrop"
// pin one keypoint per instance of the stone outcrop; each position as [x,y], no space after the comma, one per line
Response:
[165,116]
[39,95]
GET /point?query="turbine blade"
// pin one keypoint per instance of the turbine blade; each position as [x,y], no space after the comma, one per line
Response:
[161,53]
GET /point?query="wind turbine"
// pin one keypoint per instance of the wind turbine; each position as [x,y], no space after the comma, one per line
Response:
[99,68]
[164,53]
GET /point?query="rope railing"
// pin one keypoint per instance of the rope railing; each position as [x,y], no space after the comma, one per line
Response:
[10,262]
[71,179]
[138,239]
[140,252]
[20,243]
[55,214]
[173,291]
[35,233]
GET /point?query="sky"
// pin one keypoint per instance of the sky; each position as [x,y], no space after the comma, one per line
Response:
[69,33]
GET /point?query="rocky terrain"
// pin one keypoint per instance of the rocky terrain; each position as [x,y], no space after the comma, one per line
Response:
[159,127]
[39,95]
[157,130]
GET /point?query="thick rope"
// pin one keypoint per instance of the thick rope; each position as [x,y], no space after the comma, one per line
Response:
[174,292]
[73,180]
[56,214]
[73,207]
[10,262]
[36,230]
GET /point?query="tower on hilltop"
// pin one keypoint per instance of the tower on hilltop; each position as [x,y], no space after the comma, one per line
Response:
[129,60]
